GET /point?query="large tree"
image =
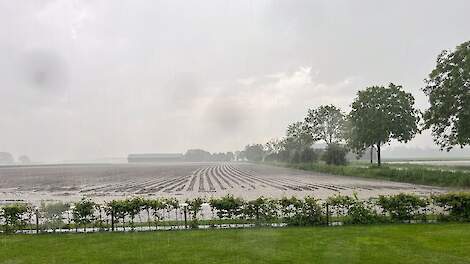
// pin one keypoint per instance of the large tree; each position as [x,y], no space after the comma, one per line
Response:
[298,136]
[326,123]
[448,90]
[254,152]
[380,114]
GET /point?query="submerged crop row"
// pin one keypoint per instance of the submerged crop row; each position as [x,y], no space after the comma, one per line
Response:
[150,214]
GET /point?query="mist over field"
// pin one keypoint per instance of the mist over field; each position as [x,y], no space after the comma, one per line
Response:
[86,80]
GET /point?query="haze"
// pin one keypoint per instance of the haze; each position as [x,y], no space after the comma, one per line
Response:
[84,80]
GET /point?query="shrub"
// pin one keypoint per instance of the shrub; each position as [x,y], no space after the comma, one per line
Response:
[457,204]
[340,204]
[361,212]
[335,154]
[308,155]
[15,216]
[53,212]
[261,209]
[402,206]
[83,212]
[311,211]
[227,207]
[352,209]
[194,207]
[301,212]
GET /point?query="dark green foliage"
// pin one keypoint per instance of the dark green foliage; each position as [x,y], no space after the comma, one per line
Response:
[353,210]
[457,204]
[380,114]
[83,212]
[335,154]
[448,91]
[15,216]
[326,123]
[299,212]
[418,175]
[261,210]
[308,155]
[361,212]
[402,206]
[227,207]
[194,207]
[117,208]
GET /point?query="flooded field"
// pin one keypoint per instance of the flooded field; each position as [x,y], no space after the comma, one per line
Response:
[182,180]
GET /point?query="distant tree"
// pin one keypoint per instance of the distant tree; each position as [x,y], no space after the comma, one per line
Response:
[335,154]
[197,155]
[308,155]
[326,123]
[229,156]
[6,158]
[24,159]
[218,157]
[271,147]
[380,114]
[298,138]
[448,91]
[239,155]
[254,152]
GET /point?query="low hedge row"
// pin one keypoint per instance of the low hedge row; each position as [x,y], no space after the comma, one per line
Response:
[290,211]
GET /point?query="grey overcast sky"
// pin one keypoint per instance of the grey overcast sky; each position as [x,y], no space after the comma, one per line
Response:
[82,80]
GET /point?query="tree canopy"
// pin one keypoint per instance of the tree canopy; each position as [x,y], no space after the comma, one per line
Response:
[326,123]
[380,114]
[254,152]
[448,91]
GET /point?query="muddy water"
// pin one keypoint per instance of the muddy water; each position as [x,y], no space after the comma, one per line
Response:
[104,182]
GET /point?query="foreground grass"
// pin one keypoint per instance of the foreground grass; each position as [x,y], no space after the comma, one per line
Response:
[431,243]
[421,174]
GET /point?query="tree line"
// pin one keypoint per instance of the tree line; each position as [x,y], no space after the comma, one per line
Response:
[380,114]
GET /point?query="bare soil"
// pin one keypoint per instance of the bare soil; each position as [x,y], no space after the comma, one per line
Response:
[105,182]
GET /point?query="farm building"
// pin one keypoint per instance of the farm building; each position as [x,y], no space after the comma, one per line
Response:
[155,157]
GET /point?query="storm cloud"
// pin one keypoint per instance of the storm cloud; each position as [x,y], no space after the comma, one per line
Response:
[83,80]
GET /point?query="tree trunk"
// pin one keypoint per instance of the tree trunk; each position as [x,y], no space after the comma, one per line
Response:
[379,162]
[372,154]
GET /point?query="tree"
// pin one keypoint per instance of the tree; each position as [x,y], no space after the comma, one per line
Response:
[298,138]
[6,158]
[326,123]
[24,159]
[229,156]
[197,155]
[298,135]
[53,212]
[380,114]
[448,91]
[254,152]
[15,216]
[335,154]
[83,212]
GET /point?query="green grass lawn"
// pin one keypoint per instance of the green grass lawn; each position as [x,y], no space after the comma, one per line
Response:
[431,243]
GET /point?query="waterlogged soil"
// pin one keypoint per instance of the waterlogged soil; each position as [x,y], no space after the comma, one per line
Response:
[104,182]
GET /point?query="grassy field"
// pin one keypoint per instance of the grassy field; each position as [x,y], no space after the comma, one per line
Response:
[444,176]
[431,243]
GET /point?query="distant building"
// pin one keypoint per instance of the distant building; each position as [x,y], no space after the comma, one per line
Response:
[155,157]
